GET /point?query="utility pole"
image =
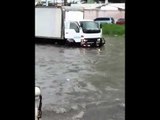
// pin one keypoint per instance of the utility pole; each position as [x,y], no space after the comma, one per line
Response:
[65,2]
[106,1]
[46,2]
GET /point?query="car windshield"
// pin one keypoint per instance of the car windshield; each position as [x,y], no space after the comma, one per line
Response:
[89,25]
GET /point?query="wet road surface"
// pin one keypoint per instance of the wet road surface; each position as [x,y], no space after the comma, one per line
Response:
[82,83]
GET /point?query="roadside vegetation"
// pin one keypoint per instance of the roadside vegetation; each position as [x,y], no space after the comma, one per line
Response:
[113,29]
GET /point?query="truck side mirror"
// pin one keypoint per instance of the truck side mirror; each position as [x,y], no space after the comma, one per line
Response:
[77,29]
[80,29]
[80,25]
[99,25]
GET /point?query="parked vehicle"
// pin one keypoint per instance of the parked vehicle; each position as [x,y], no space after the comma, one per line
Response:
[106,20]
[120,21]
[85,32]
[38,103]
[67,24]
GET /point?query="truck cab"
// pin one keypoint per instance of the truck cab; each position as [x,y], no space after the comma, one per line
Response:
[84,32]
[72,32]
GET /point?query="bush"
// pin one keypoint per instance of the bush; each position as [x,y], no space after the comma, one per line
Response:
[113,29]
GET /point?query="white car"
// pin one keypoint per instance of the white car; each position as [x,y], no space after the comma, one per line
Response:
[107,20]
[38,103]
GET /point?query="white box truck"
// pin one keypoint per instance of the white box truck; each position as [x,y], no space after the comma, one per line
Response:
[66,24]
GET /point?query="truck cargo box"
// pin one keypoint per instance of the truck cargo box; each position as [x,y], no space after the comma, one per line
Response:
[49,22]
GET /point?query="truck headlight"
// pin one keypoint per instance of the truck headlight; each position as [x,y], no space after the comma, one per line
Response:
[98,39]
[84,40]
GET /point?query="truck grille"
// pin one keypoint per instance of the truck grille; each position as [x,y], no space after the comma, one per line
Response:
[91,39]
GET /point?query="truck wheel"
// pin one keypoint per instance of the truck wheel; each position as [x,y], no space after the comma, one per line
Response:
[100,45]
[102,42]
[67,43]
[61,42]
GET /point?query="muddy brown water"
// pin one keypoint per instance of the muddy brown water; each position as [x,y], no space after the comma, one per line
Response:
[82,83]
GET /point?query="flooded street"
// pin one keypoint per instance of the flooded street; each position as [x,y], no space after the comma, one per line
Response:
[82,83]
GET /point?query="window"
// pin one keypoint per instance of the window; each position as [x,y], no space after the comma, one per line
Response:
[74,26]
[89,25]
[99,19]
[106,19]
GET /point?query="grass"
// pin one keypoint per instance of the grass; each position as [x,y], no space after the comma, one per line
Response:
[113,29]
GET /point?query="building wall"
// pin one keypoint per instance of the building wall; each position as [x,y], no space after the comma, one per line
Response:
[93,13]
[37,0]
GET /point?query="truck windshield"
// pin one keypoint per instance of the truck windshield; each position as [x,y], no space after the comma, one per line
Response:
[90,27]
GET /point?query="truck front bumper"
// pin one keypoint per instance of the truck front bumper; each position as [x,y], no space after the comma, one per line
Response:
[87,42]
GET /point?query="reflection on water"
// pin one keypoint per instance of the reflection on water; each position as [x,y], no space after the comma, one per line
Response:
[97,51]
[80,79]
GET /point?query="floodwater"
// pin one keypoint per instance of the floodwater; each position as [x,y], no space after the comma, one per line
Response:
[82,83]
